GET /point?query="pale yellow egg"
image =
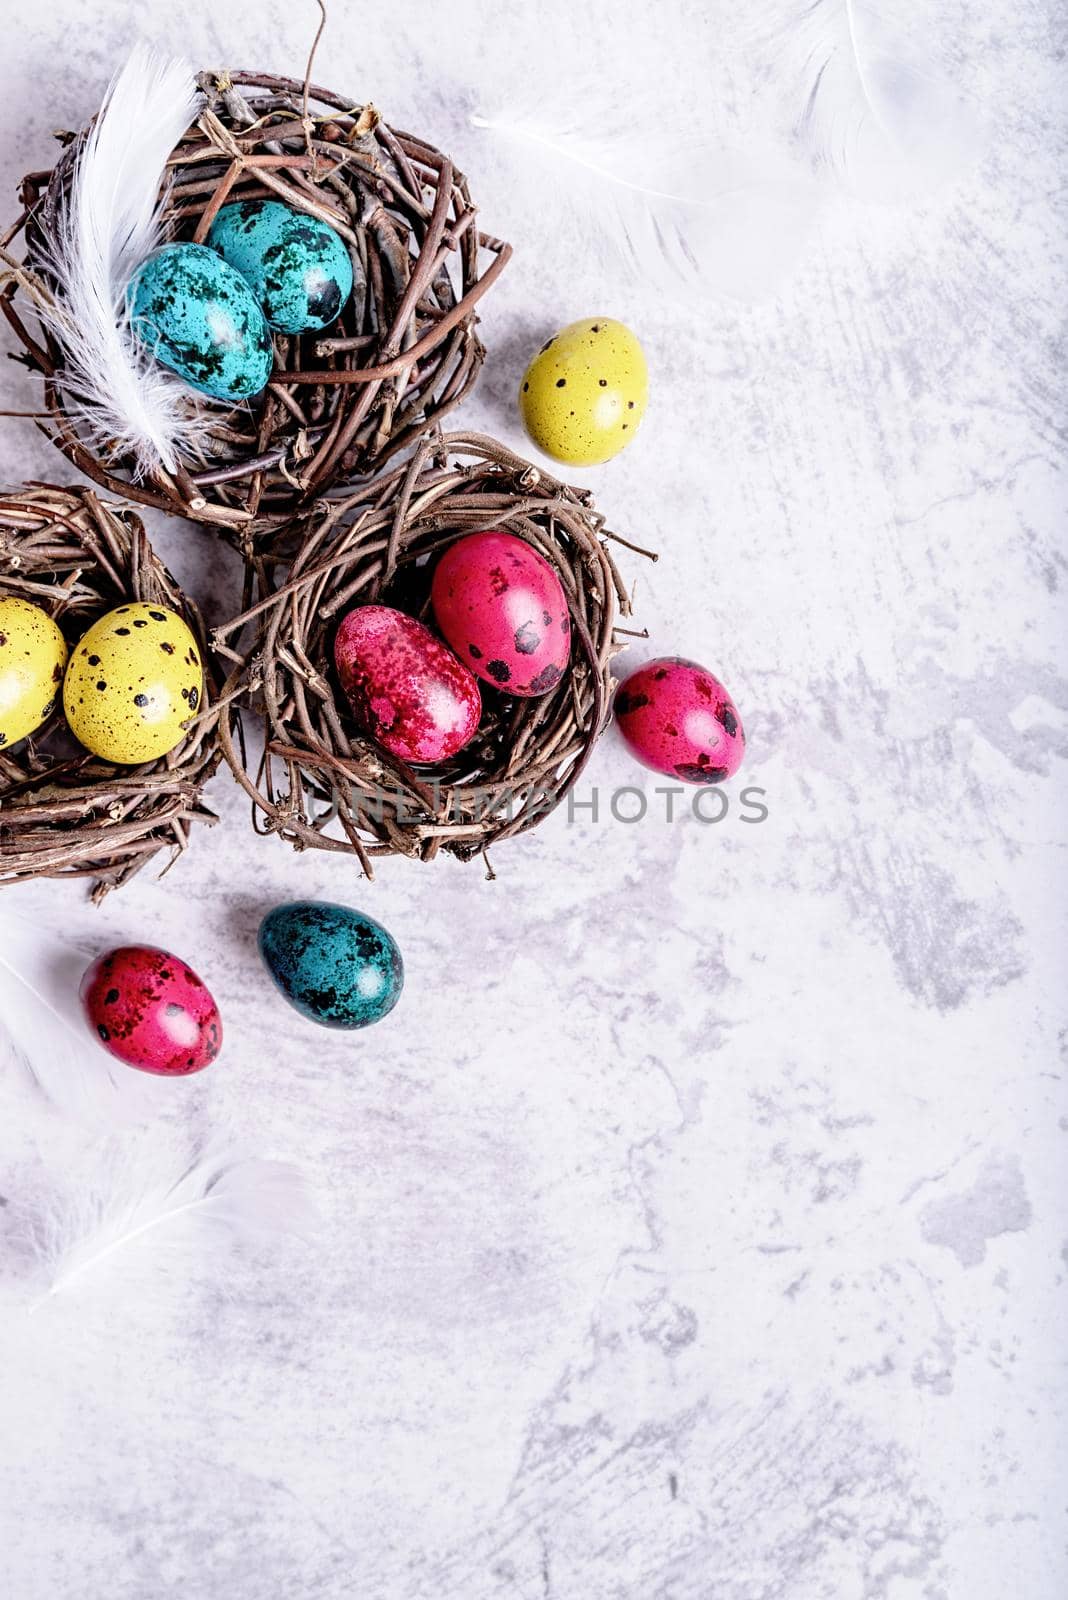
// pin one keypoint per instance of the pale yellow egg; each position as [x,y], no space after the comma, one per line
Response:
[585,392]
[133,680]
[33,654]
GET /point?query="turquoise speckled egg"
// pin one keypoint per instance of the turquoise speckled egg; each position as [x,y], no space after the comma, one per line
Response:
[297,267]
[333,964]
[199,317]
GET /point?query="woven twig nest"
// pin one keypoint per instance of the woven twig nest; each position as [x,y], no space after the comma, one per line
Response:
[64,812]
[403,351]
[320,782]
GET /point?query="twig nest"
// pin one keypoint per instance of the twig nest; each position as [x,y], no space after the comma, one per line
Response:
[401,351]
[65,812]
[319,781]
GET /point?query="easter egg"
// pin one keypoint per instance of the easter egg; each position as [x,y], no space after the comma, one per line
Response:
[33,654]
[151,1010]
[298,268]
[405,688]
[585,392]
[333,964]
[132,681]
[678,719]
[200,318]
[501,607]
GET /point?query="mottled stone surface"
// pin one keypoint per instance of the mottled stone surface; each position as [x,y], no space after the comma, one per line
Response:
[695,1227]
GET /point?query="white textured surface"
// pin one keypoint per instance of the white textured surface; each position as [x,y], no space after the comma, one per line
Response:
[695,1225]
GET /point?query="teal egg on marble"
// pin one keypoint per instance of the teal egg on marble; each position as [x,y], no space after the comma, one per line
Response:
[200,318]
[298,268]
[336,966]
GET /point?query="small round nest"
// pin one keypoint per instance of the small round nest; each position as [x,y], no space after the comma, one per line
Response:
[65,813]
[402,353]
[320,782]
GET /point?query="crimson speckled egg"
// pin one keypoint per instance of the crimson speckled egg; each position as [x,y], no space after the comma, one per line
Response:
[502,608]
[151,1010]
[405,688]
[678,719]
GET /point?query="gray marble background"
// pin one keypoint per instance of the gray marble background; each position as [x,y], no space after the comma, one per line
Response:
[695,1229]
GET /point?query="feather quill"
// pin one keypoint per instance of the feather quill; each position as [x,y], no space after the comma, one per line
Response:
[876,111]
[676,212]
[111,220]
[148,1210]
[43,1031]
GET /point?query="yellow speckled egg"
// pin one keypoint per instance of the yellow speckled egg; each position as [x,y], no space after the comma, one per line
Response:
[585,392]
[33,654]
[133,679]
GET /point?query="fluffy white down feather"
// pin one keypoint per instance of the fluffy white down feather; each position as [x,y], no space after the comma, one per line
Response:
[876,109]
[125,401]
[43,1032]
[677,211]
[147,1208]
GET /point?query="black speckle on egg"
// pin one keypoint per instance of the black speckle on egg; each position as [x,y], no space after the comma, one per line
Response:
[102,1031]
[167,648]
[94,661]
[630,405]
[547,679]
[499,670]
[101,683]
[122,631]
[627,702]
[194,699]
[475,651]
[140,699]
[699,774]
[139,622]
[158,616]
[561,383]
[527,639]
[111,997]
[603,383]
[728,720]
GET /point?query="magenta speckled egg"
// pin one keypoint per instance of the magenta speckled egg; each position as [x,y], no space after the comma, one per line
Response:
[152,1011]
[679,719]
[405,688]
[502,608]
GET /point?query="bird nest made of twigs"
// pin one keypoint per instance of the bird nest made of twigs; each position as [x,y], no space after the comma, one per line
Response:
[403,351]
[63,811]
[319,781]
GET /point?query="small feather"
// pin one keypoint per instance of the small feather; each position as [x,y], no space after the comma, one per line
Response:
[43,1031]
[148,1209]
[125,401]
[876,110]
[679,213]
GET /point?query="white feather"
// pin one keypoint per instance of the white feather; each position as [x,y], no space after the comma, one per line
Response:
[876,110]
[111,221]
[42,1029]
[679,213]
[148,1209]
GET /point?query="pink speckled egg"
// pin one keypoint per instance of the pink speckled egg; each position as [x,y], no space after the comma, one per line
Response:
[152,1011]
[405,688]
[679,719]
[502,608]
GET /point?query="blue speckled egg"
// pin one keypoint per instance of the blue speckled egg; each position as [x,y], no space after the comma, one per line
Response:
[298,268]
[336,966]
[199,317]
